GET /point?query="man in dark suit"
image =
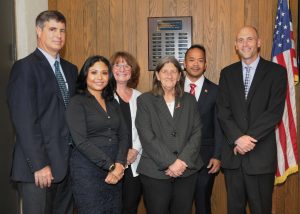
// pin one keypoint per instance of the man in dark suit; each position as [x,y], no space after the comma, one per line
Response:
[250,104]
[211,140]
[39,89]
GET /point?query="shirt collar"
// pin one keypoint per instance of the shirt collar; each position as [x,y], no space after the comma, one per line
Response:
[253,65]
[50,58]
[198,83]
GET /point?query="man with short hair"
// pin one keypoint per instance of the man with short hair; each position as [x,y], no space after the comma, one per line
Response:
[205,93]
[39,90]
[250,104]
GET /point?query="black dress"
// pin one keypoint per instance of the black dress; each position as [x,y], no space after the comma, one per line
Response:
[100,139]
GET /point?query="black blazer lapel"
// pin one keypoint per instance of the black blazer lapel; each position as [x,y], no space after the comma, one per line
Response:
[163,110]
[177,110]
[203,95]
[239,83]
[49,72]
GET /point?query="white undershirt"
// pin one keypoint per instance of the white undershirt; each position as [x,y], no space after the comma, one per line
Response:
[171,106]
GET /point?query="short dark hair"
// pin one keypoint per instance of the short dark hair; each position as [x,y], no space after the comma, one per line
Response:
[197,46]
[156,85]
[81,85]
[48,15]
[132,62]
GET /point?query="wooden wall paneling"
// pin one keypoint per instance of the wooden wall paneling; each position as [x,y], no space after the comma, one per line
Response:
[278,205]
[75,44]
[142,13]
[64,8]
[169,7]
[251,12]
[291,196]
[236,22]
[116,26]
[266,27]
[294,10]
[219,196]
[210,23]
[103,27]
[156,8]
[183,7]
[52,4]
[129,26]
[223,38]
[197,13]
[90,28]
[298,134]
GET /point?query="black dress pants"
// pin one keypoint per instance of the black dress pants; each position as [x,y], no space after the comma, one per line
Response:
[254,189]
[169,196]
[56,199]
[131,192]
[204,187]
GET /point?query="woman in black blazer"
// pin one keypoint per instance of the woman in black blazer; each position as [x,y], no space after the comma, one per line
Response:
[100,140]
[168,123]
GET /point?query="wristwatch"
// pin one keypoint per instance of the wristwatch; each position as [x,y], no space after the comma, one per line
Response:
[112,167]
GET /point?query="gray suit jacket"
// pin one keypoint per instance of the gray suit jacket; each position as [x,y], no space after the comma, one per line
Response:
[165,138]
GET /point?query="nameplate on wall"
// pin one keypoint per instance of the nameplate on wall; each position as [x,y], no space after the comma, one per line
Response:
[168,36]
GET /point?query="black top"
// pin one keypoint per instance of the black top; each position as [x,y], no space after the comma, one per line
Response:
[101,136]
[125,108]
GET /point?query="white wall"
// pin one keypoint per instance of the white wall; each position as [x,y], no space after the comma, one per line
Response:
[26,11]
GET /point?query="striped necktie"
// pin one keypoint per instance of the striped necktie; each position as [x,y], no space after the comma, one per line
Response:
[62,84]
[193,91]
[247,80]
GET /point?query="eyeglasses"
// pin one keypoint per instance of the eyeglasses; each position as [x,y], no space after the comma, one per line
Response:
[125,66]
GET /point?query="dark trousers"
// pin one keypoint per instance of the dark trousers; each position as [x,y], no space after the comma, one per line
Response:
[131,192]
[56,199]
[169,196]
[203,191]
[254,189]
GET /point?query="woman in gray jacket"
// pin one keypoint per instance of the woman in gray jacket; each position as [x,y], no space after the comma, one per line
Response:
[169,126]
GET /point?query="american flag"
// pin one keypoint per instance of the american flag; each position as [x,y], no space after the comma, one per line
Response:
[284,53]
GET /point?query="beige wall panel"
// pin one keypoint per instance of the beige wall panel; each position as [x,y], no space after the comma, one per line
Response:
[169,7]
[266,27]
[218,200]
[129,26]
[103,27]
[210,36]
[116,26]
[197,12]
[237,20]
[90,28]
[251,12]
[156,8]
[183,7]
[223,38]
[52,4]
[75,46]
[142,14]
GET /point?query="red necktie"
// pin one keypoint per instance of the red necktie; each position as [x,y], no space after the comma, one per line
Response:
[193,91]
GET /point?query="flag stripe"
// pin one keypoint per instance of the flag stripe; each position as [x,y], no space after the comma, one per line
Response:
[283,53]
